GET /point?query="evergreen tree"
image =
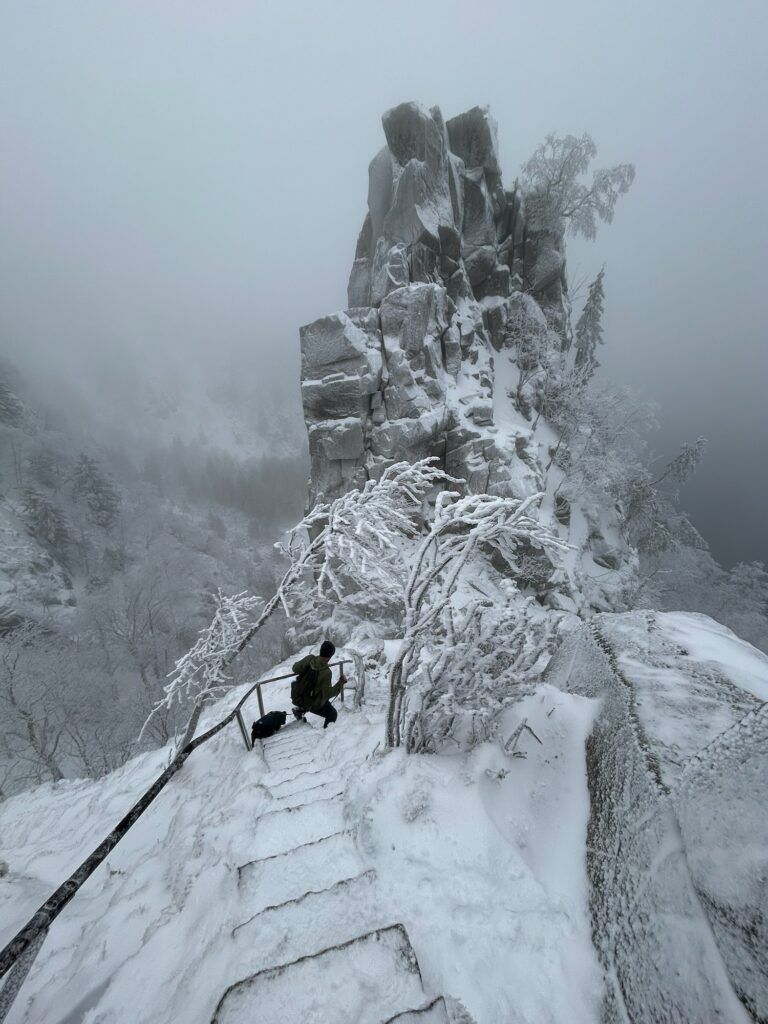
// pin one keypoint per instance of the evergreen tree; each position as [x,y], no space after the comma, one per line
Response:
[11,409]
[45,520]
[44,467]
[589,329]
[89,484]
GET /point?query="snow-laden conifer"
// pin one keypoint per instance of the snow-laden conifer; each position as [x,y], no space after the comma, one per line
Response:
[11,409]
[589,328]
[91,485]
[45,520]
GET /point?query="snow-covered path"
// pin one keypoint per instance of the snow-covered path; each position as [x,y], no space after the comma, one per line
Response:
[329,940]
[419,876]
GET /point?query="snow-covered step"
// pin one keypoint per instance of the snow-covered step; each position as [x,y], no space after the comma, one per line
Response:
[300,782]
[434,1012]
[315,794]
[292,766]
[282,830]
[278,745]
[289,751]
[286,876]
[291,769]
[364,981]
[290,759]
[314,921]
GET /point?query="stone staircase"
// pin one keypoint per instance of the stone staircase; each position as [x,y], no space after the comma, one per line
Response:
[320,943]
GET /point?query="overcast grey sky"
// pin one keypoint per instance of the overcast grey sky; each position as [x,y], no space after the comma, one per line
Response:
[183,180]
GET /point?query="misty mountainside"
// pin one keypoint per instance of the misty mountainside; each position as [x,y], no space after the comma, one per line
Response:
[543,798]
[114,539]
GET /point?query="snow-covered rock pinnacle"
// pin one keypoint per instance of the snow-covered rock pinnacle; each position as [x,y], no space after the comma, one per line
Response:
[447,279]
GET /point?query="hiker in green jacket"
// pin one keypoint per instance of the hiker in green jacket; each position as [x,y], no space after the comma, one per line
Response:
[312,689]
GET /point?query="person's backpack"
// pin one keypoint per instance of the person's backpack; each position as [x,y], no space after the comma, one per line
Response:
[305,687]
[271,723]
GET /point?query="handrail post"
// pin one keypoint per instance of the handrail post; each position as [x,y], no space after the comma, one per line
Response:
[261,702]
[243,730]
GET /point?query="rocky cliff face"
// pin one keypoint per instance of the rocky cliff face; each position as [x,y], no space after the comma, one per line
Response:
[443,264]
[447,279]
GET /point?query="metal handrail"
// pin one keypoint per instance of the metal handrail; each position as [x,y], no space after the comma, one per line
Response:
[26,943]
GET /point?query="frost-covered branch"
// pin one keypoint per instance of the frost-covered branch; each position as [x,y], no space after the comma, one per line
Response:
[555,195]
[464,529]
[359,544]
[353,543]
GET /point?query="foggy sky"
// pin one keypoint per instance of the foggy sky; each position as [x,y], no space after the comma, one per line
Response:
[184,181]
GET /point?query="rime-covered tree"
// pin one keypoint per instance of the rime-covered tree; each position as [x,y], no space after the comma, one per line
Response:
[602,448]
[589,328]
[44,467]
[464,533]
[33,719]
[652,522]
[350,548]
[556,197]
[45,520]
[537,353]
[92,486]
[11,409]
[685,463]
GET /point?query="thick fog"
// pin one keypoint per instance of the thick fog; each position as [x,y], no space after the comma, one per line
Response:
[181,185]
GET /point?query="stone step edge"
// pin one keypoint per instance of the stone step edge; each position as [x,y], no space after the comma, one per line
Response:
[273,785]
[301,792]
[287,853]
[298,807]
[282,968]
[370,874]
[425,1008]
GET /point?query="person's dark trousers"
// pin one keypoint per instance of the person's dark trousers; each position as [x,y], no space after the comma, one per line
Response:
[327,711]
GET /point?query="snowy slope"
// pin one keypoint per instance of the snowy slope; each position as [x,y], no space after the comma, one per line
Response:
[479,858]
[678,836]
[323,878]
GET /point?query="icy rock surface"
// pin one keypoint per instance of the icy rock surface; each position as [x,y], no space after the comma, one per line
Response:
[677,839]
[408,371]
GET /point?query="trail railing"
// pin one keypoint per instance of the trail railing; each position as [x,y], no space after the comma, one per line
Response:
[19,955]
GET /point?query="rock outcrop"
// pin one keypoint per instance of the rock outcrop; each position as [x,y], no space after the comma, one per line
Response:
[453,300]
[440,270]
